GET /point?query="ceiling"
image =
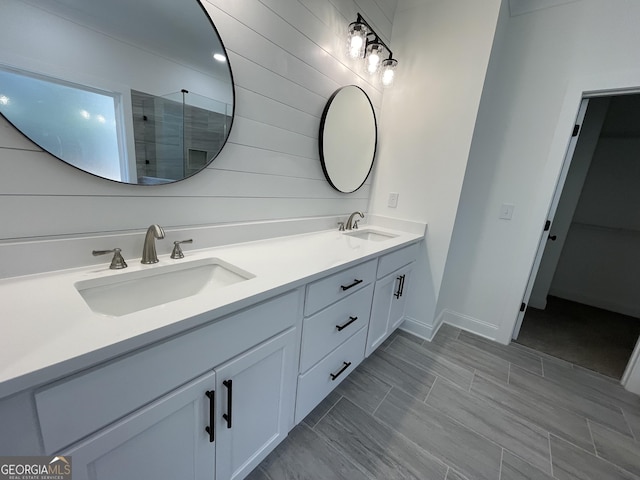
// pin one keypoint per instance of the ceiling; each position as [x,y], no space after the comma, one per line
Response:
[520,7]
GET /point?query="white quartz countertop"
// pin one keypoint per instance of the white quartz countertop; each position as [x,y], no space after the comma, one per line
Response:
[48,331]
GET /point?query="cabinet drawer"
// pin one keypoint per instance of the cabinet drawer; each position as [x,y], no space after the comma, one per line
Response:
[318,382]
[334,287]
[324,331]
[76,407]
[394,260]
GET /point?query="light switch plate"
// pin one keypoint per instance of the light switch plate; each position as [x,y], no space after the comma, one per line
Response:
[393,200]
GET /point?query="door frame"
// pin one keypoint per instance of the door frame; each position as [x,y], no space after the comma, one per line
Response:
[568,157]
[620,83]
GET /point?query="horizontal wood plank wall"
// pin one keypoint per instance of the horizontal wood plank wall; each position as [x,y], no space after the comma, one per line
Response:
[287,58]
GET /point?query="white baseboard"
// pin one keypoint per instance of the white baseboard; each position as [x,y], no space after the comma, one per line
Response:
[471,324]
[419,329]
[465,322]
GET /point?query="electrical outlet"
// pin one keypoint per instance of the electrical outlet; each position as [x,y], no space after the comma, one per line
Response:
[506,211]
[393,200]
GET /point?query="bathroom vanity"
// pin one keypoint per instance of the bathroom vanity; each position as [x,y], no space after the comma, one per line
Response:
[204,386]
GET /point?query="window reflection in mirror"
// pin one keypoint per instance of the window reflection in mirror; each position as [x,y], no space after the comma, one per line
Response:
[70,121]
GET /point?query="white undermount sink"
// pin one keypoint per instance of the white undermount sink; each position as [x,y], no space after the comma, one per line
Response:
[370,234]
[128,292]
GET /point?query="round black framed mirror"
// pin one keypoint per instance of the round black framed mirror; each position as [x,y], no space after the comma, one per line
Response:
[348,138]
[135,92]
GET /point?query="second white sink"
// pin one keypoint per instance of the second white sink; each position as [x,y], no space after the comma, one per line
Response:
[371,235]
[129,292]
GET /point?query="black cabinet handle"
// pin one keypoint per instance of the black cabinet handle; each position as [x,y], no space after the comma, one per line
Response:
[212,414]
[355,282]
[344,367]
[400,290]
[397,294]
[342,327]
[227,416]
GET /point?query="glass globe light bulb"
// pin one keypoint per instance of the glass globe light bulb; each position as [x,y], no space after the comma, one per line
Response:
[373,58]
[356,46]
[388,72]
[356,39]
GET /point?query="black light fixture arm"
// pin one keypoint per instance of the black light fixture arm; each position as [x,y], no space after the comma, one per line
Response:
[376,38]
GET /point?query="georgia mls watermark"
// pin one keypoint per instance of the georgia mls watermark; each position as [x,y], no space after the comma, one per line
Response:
[35,468]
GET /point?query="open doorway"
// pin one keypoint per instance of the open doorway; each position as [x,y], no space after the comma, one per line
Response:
[585,302]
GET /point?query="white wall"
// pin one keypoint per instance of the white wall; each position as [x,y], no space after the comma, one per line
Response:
[536,78]
[287,59]
[427,123]
[600,263]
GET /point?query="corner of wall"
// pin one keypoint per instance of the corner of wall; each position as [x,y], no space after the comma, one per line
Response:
[471,324]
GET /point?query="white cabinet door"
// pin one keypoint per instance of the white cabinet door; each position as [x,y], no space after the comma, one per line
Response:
[255,394]
[165,440]
[399,299]
[387,311]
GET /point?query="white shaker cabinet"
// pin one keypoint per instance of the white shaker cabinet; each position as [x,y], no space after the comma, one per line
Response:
[254,400]
[390,296]
[387,311]
[143,416]
[218,426]
[165,440]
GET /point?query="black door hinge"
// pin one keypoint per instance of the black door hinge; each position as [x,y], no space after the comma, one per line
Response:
[547,225]
[576,129]
[523,306]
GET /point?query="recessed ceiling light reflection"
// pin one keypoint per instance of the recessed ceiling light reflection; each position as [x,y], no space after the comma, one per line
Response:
[101,119]
[219,57]
[84,114]
[4,100]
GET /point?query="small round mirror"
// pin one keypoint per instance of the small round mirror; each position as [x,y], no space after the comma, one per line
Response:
[348,138]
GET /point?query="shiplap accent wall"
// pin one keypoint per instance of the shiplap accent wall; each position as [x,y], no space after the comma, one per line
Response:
[287,58]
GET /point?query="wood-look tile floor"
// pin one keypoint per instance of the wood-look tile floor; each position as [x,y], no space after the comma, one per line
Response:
[462,407]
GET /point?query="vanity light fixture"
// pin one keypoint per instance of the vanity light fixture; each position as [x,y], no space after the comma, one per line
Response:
[364,42]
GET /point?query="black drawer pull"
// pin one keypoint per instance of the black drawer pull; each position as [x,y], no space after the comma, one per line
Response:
[344,367]
[398,293]
[342,327]
[355,282]
[402,285]
[227,416]
[212,414]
